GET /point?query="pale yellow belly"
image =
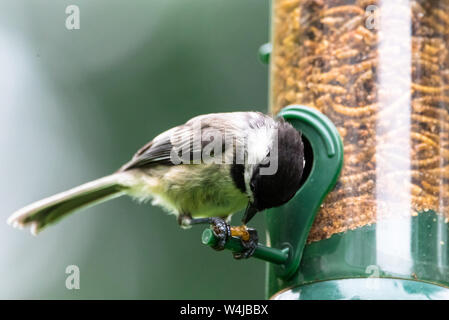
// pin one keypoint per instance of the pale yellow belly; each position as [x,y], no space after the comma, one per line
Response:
[199,190]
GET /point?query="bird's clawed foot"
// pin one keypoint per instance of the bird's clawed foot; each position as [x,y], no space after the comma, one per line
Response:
[249,239]
[222,231]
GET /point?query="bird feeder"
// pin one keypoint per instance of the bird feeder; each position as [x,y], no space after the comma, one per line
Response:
[380,72]
[367,82]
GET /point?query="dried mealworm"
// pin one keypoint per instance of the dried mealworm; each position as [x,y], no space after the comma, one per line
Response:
[423,138]
[430,121]
[288,5]
[429,89]
[367,35]
[360,67]
[348,9]
[425,64]
[440,172]
[332,21]
[327,88]
[416,190]
[432,189]
[350,25]
[432,99]
[431,50]
[355,111]
[421,163]
[357,178]
[347,54]
[367,75]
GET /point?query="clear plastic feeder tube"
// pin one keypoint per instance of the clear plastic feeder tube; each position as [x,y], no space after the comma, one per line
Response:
[380,71]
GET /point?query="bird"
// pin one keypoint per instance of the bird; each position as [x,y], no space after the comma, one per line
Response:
[202,171]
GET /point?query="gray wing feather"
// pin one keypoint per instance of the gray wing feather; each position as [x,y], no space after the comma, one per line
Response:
[159,150]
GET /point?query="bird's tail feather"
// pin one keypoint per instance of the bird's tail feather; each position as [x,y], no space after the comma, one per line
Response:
[47,211]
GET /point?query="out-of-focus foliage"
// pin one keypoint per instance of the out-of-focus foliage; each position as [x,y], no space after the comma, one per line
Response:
[76,104]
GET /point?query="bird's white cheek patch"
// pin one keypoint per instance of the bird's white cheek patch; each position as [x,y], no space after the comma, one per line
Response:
[259,144]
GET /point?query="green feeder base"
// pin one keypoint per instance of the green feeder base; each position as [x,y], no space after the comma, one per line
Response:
[355,265]
[365,289]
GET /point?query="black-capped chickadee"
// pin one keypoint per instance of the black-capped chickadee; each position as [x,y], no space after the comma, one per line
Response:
[202,171]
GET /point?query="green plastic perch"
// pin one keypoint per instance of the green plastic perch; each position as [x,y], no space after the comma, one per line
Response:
[276,256]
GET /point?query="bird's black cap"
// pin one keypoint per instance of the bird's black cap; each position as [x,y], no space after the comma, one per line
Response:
[272,190]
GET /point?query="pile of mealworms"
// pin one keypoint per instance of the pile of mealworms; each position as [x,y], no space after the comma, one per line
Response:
[392,114]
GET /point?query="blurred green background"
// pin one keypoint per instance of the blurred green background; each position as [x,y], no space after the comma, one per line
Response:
[75,105]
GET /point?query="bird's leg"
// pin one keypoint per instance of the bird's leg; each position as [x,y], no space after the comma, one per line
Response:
[185,220]
[249,239]
[221,229]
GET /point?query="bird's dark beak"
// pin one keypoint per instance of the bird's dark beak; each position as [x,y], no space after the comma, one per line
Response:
[249,213]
